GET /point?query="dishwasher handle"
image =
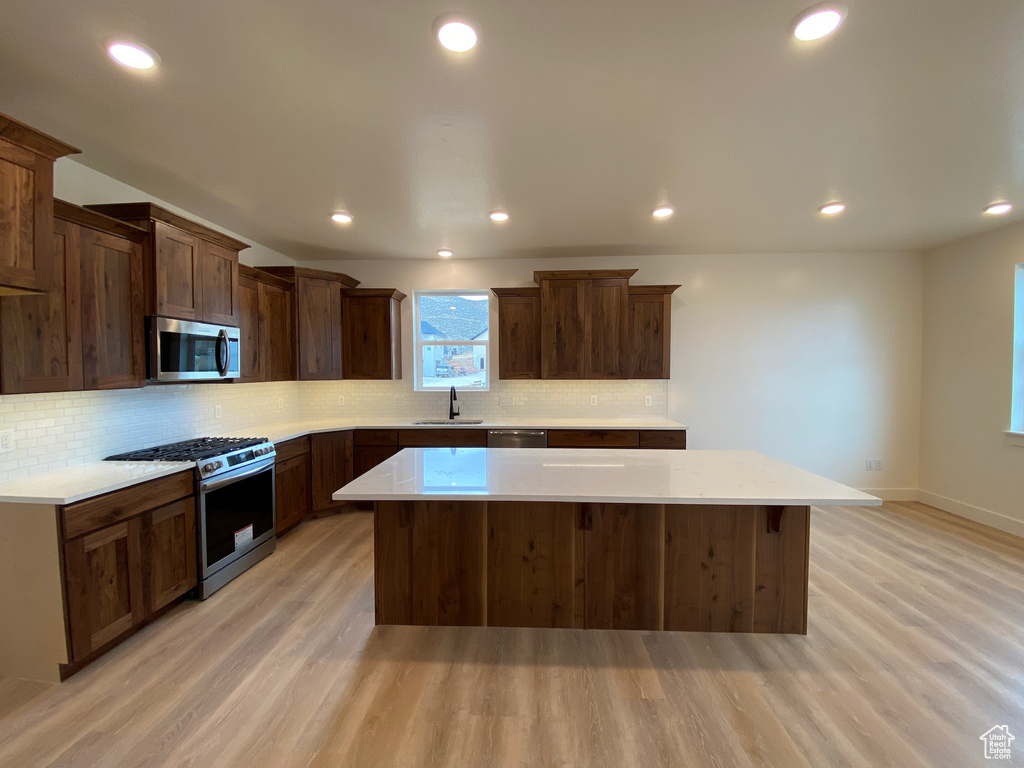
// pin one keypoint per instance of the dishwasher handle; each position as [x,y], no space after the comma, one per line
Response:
[517,438]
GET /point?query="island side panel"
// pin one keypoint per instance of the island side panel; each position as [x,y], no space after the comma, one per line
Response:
[624,574]
[429,563]
[781,573]
[448,577]
[392,562]
[531,564]
[728,570]
[709,567]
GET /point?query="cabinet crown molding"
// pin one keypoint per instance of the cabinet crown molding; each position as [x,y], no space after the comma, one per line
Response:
[148,212]
[583,274]
[28,138]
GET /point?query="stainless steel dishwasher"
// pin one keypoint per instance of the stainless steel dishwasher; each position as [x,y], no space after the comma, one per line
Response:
[517,438]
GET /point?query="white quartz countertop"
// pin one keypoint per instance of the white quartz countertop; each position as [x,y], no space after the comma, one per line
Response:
[596,475]
[66,486]
[288,430]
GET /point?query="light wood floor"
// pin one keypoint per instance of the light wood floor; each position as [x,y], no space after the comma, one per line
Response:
[915,648]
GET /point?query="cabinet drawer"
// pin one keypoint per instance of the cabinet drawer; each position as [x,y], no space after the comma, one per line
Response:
[376,437]
[663,438]
[442,438]
[291,448]
[593,438]
[91,514]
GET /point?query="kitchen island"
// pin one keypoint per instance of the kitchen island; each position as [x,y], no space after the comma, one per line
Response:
[713,541]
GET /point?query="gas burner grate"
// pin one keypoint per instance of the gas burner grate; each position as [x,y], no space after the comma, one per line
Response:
[190,450]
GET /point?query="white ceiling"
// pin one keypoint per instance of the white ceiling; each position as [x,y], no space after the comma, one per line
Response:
[578,116]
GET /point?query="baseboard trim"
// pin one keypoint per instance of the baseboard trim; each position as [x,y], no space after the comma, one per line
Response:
[977,514]
[893,494]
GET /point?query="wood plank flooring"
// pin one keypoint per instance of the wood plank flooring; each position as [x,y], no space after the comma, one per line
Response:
[915,647]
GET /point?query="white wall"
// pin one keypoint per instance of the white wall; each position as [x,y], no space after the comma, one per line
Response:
[968,464]
[81,185]
[811,358]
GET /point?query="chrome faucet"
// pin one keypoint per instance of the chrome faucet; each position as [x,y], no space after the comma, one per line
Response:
[452,410]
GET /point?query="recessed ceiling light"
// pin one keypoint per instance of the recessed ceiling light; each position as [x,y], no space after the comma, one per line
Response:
[819,20]
[455,33]
[341,217]
[498,216]
[444,253]
[663,212]
[998,209]
[133,55]
[833,208]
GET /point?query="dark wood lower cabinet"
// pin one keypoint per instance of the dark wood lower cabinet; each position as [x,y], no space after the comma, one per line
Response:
[103,572]
[169,552]
[332,467]
[119,576]
[294,501]
[369,456]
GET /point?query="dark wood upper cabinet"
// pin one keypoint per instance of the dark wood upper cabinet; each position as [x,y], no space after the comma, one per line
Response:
[650,324]
[584,330]
[372,333]
[265,321]
[317,319]
[191,271]
[27,257]
[561,329]
[277,337]
[518,333]
[249,328]
[218,267]
[584,324]
[40,338]
[113,326]
[87,333]
[175,274]
[606,328]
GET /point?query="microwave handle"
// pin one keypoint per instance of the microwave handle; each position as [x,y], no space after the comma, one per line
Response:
[223,358]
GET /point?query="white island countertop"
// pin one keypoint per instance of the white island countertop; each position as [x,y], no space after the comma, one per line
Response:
[621,476]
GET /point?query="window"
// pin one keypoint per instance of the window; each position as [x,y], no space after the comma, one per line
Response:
[450,329]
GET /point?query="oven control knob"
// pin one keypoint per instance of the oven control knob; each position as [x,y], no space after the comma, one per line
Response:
[218,465]
[208,467]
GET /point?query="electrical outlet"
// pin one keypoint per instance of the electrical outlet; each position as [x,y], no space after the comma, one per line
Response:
[878,463]
[648,401]
[7,441]
[399,400]
[869,464]
[280,403]
[218,411]
[593,400]
[505,401]
[341,399]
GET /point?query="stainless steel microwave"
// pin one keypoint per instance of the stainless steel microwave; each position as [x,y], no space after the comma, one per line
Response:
[179,350]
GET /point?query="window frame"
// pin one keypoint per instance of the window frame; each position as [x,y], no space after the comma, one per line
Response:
[1017,391]
[418,343]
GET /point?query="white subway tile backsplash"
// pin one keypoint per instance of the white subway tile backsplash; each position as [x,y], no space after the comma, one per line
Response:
[53,431]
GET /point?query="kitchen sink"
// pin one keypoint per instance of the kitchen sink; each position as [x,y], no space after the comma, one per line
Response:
[445,422]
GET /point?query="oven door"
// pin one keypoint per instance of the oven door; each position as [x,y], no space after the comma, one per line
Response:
[236,515]
[179,350]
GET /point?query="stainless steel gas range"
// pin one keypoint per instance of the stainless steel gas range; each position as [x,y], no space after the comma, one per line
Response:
[235,498]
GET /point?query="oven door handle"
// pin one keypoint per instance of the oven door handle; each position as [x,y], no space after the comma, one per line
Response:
[220,482]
